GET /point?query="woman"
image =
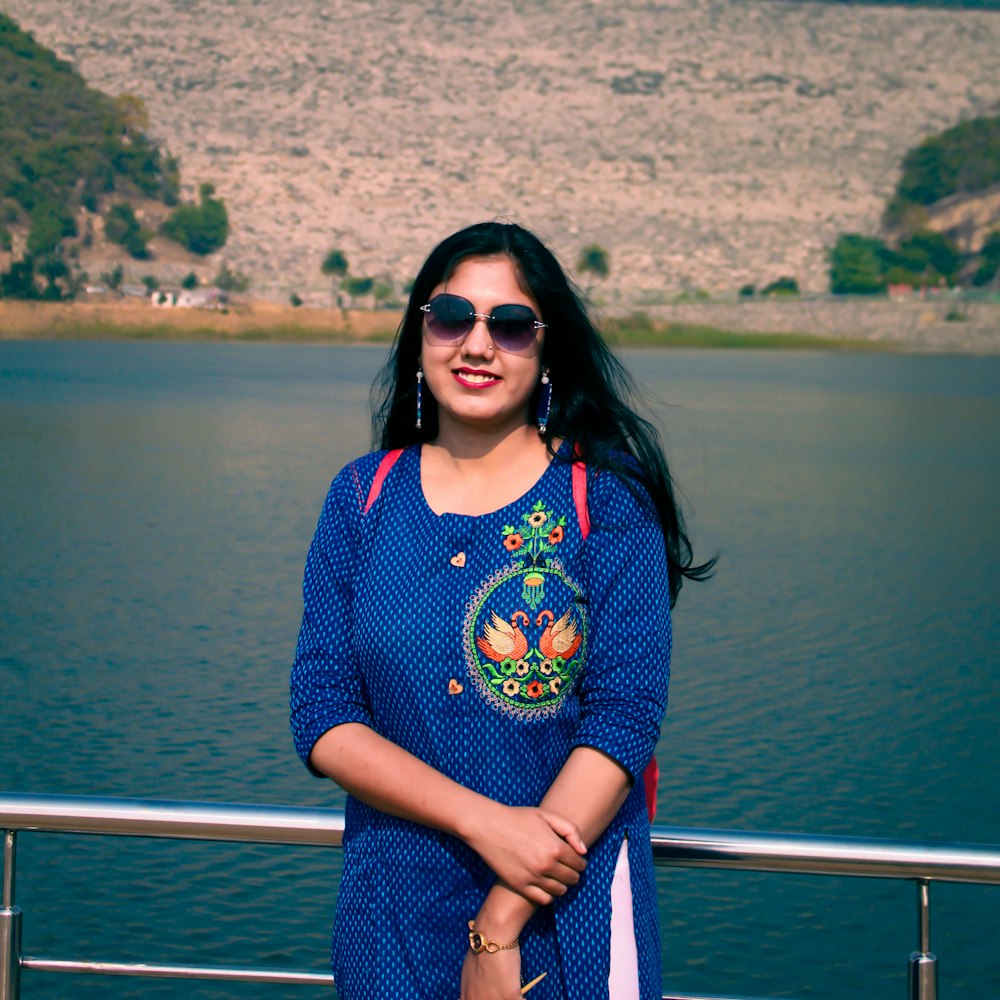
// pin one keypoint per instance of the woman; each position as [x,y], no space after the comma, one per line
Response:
[484,653]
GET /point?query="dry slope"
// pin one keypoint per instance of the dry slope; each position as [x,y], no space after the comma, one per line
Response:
[704,144]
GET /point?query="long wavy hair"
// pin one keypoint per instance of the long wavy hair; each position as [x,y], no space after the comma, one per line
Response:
[592,399]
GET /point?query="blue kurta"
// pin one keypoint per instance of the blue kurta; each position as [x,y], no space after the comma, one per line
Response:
[488,647]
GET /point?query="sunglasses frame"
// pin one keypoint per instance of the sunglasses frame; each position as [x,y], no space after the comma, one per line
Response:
[488,318]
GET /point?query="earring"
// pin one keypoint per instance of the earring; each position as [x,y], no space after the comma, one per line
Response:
[420,396]
[544,402]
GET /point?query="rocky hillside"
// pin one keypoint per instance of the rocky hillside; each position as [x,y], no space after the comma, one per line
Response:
[704,143]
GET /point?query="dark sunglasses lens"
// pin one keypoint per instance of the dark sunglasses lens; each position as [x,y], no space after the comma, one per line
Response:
[512,327]
[450,317]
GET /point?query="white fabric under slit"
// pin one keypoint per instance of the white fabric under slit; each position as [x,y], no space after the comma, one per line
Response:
[623,979]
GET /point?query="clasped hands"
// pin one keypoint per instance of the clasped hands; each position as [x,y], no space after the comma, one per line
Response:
[533,851]
[536,854]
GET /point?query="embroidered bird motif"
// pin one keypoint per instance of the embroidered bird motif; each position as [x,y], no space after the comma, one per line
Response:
[503,640]
[559,638]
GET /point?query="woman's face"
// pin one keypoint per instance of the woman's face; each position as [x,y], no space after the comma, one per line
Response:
[477,385]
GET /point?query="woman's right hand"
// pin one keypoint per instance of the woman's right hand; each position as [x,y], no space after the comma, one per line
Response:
[532,850]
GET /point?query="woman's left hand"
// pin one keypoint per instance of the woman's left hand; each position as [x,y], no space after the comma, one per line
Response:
[492,977]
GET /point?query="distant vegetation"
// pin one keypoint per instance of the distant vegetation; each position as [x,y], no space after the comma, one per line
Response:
[201,228]
[594,262]
[947,4]
[66,150]
[964,159]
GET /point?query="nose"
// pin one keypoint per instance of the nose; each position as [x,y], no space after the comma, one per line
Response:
[479,343]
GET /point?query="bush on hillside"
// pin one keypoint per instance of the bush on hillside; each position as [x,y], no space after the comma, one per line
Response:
[781,286]
[989,260]
[122,227]
[201,228]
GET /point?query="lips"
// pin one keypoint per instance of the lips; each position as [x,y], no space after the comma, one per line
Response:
[475,378]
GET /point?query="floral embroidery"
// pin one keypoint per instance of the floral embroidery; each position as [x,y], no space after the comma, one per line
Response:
[541,533]
[513,542]
[525,628]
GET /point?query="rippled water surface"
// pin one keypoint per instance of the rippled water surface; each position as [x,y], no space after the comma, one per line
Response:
[839,675]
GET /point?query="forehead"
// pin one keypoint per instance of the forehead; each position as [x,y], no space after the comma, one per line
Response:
[487,281]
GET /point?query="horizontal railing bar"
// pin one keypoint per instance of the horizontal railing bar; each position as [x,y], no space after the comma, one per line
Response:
[165,818]
[144,970]
[672,846]
[240,974]
[803,854]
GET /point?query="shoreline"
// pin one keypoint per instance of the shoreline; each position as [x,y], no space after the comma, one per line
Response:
[911,327]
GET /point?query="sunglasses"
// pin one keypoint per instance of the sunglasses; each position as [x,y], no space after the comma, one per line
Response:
[450,319]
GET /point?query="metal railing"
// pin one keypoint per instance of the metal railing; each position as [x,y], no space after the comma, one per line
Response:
[672,847]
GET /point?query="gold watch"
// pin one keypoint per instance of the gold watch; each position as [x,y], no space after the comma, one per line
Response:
[478,942]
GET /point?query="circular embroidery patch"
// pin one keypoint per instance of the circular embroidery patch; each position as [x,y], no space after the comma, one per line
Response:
[525,630]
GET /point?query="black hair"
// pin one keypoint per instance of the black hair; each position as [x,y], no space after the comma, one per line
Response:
[592,395]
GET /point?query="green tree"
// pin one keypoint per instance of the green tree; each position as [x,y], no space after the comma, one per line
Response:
[924,258]
[856,265]
[989,260]
[781,286]
[201,228]
[19,281]
[189,281]
[381,292]
[49,225]
[114,278]
[943,258]
[964,158]
[334,266]
[357,288]
[122,227]
[594,261]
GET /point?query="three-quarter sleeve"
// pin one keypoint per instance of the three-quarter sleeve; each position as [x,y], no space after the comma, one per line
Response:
[327,688]
[623,689]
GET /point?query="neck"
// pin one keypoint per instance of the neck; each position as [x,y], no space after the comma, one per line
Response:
[467,444]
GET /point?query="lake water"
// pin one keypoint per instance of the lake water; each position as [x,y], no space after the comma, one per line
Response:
[839,675]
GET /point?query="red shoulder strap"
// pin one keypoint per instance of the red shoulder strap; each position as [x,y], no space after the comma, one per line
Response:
[580,497]
[388,461]
[650,779]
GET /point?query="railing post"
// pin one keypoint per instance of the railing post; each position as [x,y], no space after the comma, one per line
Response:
[923,963]
[10,927]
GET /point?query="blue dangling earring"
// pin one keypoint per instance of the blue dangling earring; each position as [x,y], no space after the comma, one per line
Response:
[420,397]
[544,402]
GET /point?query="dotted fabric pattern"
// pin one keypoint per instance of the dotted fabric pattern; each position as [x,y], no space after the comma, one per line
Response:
[395,603]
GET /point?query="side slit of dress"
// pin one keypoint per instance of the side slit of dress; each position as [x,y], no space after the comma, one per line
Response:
[623,977]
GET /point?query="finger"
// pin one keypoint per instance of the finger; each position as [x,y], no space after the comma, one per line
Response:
[565,829]
[535,894]
[564,874]
[566,857]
